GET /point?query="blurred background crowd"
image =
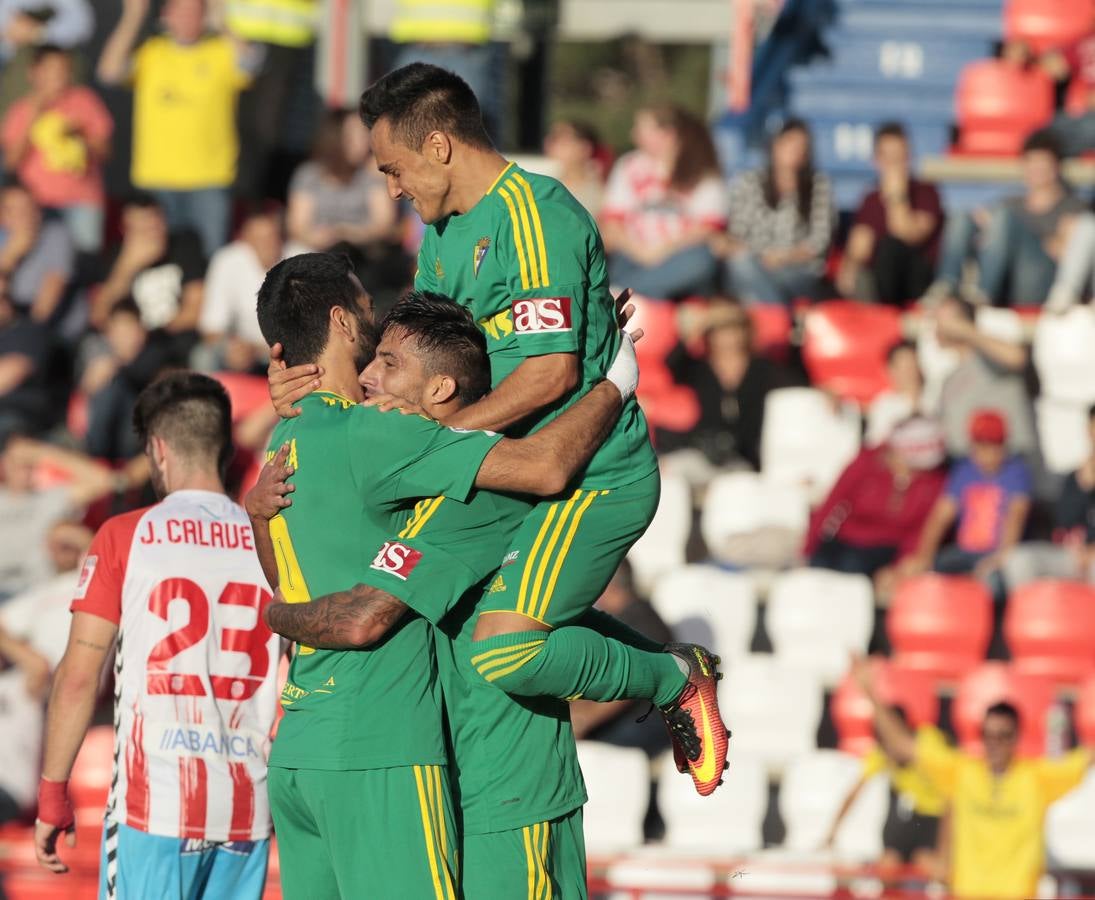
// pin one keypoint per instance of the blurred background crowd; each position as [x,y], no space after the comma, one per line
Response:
[861,241]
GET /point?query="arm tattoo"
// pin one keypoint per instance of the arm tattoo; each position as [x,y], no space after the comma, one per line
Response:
[344,620]
[91,644]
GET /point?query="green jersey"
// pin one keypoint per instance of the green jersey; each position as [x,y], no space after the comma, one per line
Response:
[357,473]
[514,760]
[528,262]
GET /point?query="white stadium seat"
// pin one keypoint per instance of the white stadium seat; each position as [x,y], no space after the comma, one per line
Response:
[1062,434]
[705,605]
[661,875]
[618,783]
[859,838]
[804,441]
[1062,352]
[816,618]
[772,710]
[728,822]
[1070,828]
[813,788]
[739,505]
[661,549]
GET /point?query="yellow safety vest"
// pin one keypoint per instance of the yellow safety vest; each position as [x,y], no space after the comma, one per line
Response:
[287,23]
[441,21]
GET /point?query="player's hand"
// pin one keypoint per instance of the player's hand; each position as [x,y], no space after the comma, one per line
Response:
[289,385]
[388,402]
[269,496]
[55,817]
[624,313]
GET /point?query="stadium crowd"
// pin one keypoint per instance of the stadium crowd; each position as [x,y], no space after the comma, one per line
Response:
[946,472]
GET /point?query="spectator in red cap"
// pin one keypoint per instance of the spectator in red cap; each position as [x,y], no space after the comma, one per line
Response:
[988,496]
[874,514]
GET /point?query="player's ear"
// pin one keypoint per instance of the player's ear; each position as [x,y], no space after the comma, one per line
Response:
[438,147]
[340,321]
[443,389]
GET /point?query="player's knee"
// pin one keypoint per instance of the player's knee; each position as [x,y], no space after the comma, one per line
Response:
[496,623]
[508,661]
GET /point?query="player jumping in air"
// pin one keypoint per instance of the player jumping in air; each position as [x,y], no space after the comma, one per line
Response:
[177,589]
[527,260]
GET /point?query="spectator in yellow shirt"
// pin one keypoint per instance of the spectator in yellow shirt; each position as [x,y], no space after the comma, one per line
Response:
[186,83]
[911,831]
[998,802]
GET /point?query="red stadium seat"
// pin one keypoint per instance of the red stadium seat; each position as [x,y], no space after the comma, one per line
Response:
[999,105]
[845,344]
[771,330]
[247,392]
[992,682]
[665,403]
[1048,24]
[76,418]
[940,624]
[1085,713]
[852,713]
[1050,630]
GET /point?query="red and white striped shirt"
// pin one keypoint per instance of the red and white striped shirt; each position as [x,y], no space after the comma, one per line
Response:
[195,690]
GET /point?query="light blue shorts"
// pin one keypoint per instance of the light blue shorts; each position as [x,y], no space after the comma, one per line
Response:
[135,865]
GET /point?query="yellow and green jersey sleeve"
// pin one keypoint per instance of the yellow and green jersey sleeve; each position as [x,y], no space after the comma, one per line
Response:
[528,262]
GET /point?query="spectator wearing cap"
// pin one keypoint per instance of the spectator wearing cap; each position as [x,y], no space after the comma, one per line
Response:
[987,496]
[875,512]
[56,139]
[1071,553]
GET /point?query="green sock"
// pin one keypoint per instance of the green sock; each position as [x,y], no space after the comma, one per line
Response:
[611,627]
[574,662]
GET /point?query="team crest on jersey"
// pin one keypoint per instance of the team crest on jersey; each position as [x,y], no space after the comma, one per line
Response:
[86,574]
[481,247]
[437,268]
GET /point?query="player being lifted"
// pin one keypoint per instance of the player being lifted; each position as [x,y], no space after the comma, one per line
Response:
[527,260]
[180,588]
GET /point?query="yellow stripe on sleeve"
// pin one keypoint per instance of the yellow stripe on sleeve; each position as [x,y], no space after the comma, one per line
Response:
[526,228]
[504,194]
[545,559]
[427,833]
[423,519]
[290,576]
[531,561]
[561,557]
[536,226]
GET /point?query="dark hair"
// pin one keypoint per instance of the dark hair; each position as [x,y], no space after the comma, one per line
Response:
[44,50]
[890,129]
[1091,413]
[897,347]
[142,200]
[296,299]
[583,130]
[448,340]
[696,155]
[328,149]
[191,412]
[1005,709]
[804,178]
[419,99]
[1045,141]
[127,306]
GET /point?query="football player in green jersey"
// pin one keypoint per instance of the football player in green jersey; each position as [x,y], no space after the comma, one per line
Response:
[359,474]
[527,260]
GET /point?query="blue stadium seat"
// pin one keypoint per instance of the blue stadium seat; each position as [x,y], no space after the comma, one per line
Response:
[896,60]
[883,102]
[907,21]
[847,142]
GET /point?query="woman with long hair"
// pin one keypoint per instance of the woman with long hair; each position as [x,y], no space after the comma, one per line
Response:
[665,201]
[781,223]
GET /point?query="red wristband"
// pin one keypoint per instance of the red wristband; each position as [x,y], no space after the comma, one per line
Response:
[54,807]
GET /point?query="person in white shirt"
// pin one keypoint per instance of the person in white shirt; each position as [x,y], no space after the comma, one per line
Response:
[178,587]
[231,339]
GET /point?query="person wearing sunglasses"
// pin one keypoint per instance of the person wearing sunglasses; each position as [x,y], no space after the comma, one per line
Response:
[998,800]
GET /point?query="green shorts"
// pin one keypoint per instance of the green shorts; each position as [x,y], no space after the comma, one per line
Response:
[566,551]
[372,833]
[546,861]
